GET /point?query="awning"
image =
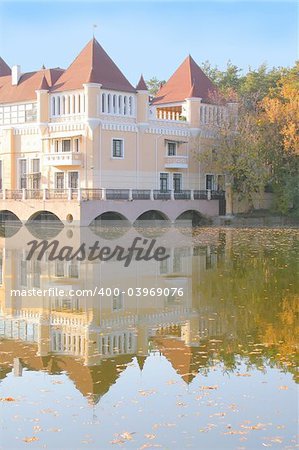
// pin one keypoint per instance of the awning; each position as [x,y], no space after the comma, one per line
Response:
[174,140]
[63,135]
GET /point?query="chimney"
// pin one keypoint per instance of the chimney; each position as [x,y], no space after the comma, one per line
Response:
[15,75]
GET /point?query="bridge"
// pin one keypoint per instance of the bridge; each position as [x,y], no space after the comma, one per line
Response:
[84,206]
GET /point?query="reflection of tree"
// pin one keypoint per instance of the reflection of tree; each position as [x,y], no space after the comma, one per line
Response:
[255,293]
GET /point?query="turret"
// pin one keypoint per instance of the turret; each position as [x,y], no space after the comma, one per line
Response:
[142,101]
[42,101]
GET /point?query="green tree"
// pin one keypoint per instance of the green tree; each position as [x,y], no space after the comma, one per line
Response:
[237,152]
[154,85]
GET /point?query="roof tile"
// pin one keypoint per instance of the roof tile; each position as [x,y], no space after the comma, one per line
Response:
[141,86]
[188,80]
[4,68]
[93,65]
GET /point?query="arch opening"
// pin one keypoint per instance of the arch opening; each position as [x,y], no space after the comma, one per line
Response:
[45,216]
[109,215]
[8,216]
[152,215]
[110,225]
[9,223]
[194,217]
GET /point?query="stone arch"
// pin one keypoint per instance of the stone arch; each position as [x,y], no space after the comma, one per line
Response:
[109,215]
[44,216]
[153,214]
[8,216]
[9,223]
[194,216]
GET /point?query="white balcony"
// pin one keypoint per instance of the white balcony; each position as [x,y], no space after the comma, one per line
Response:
[63,159]
[176,162]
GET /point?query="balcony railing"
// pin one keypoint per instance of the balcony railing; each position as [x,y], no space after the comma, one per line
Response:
[108,194]
[63,159]
[176,162]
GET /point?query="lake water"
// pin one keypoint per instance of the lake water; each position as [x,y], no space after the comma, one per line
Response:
[197,351]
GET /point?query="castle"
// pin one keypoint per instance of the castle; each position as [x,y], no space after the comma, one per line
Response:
[87,134]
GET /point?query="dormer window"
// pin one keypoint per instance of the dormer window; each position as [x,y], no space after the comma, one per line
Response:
[171,148]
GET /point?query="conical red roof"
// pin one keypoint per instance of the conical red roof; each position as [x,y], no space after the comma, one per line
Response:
[141,86]
[4,68]
[187,80]
[93,65]
[44,86]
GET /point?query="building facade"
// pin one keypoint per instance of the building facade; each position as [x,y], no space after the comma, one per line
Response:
[85,133]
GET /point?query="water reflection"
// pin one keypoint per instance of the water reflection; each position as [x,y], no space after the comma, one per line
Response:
[239,307]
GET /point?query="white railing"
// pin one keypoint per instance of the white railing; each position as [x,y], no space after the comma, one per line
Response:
[103,194]
[176,162]
[63,159]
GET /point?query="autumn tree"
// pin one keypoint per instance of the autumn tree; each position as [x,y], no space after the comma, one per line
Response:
[279,121]
[236,152]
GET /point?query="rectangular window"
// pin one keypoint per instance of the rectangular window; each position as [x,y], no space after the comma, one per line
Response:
[56,146]
[76,145]
[23,173]
[35,175]
[117,302]
[36,274]
[210,182]
[220,182]
[171,148]
[164,182]
[118,148]
[177,182]
[59,269]
[1,175]
[35,165]
[59,180]
[23,273]
[66,145]
[74,269]
[73,178]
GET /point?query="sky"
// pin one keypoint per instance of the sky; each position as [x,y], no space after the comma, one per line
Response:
[150,37]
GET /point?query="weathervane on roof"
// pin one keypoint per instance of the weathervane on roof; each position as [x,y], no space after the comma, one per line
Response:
[94,27]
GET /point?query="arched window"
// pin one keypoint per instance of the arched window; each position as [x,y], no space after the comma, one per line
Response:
[125,105]
[58,106]
[63,105]
[131,105]
[109,103]
[83,102]
[103,102]
[114,104]
[53,106]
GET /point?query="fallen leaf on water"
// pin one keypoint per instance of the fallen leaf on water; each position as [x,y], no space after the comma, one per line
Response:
[203,388]
[117,441]
[7,399]
[150,436]
[121,438]
[258,426]
[30,439]
[149,445]
[127,436]
[283,388]
[146,393]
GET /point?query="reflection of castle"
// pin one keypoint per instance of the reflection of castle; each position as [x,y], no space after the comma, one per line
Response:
[94,338]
